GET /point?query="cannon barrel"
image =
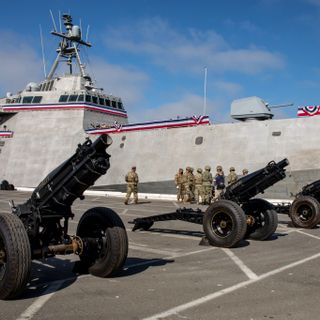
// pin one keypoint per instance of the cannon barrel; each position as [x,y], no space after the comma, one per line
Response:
[256,182]
[56,193]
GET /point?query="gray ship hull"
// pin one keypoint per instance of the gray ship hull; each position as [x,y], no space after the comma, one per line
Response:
[43,139]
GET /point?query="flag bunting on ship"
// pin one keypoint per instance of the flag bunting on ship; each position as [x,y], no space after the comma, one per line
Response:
[6,134]
[165,124]
[308,111]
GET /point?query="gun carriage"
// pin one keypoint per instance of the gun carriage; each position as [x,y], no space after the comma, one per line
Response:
[235,215]
[38,228]
[305,208]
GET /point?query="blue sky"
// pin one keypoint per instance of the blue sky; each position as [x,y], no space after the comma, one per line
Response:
[153,53]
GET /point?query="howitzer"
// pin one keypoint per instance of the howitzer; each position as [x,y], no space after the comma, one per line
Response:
[34,229]
[305,209]
[234,215]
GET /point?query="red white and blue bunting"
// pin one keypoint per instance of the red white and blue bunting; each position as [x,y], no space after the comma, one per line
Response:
[6,134]
[166,124]
[42,107]
[308,111]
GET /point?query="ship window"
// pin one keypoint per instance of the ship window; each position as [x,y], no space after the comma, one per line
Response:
[114,104]
[27,99]
[120,106]
[50,85]
[199,140]
[80,97]
[101,101]
[94,99]
[41,87]
[73,97]
[63,98]
[108,102]
[88,98]
[121,145]
[276,133]
[46,86]
[37,99]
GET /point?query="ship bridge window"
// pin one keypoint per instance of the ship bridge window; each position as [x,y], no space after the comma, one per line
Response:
[120,105]
[114,104]
[107,102]
[101,101]
[80,97]
[88,98]
[94,99]
[63,98]
[27,99]
[37,99]
[73,97]
[50,85]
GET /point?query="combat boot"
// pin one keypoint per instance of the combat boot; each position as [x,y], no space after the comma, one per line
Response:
[126,202]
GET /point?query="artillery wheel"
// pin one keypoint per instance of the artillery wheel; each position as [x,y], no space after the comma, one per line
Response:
[4,185]
[262,219]
[305,212]
[224,223]
[109,255]
[15,256]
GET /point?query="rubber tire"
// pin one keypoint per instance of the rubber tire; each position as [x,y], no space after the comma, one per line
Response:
[18,256]
[315,207]
[238,220]
[4,185]
[116,237]
[270,216]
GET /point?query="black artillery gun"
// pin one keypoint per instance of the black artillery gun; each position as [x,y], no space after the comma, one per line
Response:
[35,229]
[305,209]
[235,215]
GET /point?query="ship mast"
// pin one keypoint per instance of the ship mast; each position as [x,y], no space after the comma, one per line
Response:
[69,47]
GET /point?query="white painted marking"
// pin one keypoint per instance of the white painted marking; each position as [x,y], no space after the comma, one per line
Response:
[151,250]
[43,264]
[308,234]
[40,302]
[124,211]
[177,236]
[212,296]
[247,271]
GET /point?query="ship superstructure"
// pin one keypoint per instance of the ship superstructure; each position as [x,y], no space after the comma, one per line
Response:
[70,91]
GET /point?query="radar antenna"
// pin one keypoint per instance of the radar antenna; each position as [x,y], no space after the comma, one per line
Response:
[68,48]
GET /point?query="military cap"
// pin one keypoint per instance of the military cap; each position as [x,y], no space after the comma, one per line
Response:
[232,169]
[245,171]
[207,168]
[219,168]
[133,167]
[199,170]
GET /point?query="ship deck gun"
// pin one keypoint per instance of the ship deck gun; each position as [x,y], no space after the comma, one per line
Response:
[234,215]
[38,228]
[305,208]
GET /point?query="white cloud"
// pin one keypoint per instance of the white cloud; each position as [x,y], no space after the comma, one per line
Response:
[19,62]
[188,105]
[190,51]
[229,88]
[127,83]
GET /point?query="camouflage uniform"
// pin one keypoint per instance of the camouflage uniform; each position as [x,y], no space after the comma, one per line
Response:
[198,189]
[188,185]
[179,180]
[245,172]
[207,185]
[219,182]
[232,176]
[132,185]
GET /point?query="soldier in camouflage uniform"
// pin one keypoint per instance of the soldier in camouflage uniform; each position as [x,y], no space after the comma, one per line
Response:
[188,185]
[179,180]
[207,185]
[232,176]
[245,172]
[198,183]
[132,185]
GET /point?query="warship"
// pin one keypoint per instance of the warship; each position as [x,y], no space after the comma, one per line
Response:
[40,125]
